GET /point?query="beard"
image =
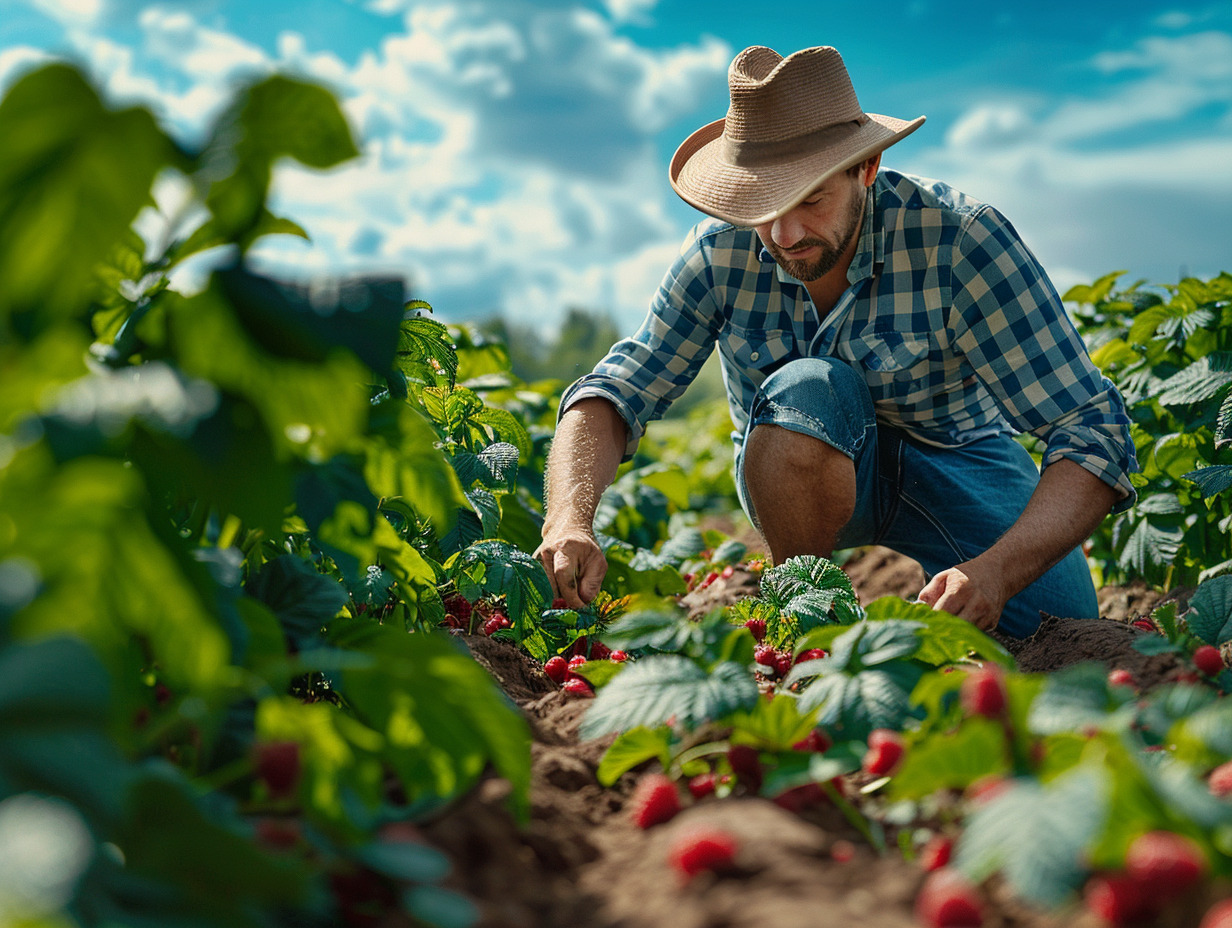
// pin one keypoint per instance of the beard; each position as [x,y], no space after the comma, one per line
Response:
[826,260]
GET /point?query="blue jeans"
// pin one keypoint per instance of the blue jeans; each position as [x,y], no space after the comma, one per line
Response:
[939,506]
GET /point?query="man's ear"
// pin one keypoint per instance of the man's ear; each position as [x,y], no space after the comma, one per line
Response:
[868,170]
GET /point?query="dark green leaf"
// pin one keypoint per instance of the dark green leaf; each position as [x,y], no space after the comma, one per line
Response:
[405,860]
[1155,644]
[1072,699]
[440,907]
[1036,836]
[667,686]
[1213,480]
[1210,615]
[685,544]
[852,705]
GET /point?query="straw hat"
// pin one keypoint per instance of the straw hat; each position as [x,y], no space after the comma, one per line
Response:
[793,122]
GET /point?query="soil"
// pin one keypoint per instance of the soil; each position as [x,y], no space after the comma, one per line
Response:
[579,861]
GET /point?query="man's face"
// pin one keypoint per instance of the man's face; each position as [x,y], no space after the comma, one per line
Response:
[809,240]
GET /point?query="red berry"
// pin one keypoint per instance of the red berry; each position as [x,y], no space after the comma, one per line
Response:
[983,693]
[816,740]
[1218,916]
[1208,660]
[559,603]
[654,800]
[757,627]
[1116,898]
[701,848]
[618,656]
[1145,625]
[745,763]
[1165,863]
[277,765]
[1120,677]
[948,900]
[885,752]
[702,785]
[842,851]
[556,668]
[459,606]
[782,664]
[599,651]
[765,654]
[494,624]
[936,853]
[576,662]
[987,788]
[799,798]
[578,686]
[727,572]
[710,578]
[811,654]
[1220,780]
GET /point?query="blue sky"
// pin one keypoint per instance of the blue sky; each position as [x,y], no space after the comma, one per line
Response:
[515,153]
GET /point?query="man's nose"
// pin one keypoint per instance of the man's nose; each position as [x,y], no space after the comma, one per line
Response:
[787,230]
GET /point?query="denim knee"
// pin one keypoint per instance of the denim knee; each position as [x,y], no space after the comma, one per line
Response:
[822,397]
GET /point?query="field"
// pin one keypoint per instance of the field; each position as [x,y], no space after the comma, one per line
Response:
[274,649]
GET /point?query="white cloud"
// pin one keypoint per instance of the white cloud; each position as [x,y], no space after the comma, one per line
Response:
[76,13]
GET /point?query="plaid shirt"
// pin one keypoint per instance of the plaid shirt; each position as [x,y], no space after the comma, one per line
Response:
[954,324]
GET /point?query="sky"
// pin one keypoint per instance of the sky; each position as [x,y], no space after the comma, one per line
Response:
[514,154]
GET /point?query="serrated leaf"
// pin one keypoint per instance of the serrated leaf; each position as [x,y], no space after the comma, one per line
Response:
[514,574]
[796,575]
[729,552]
[506,427]
[944,639]
[486,508]
[1072,699]
[500,459]
[852,705]
[1211,481]
[1223,423]
[1155,644]
[1149,546]
[667,686]
[633,748]
[304,600]
[467,529]
[1196,383]
[683,545]
[1210,615]
[421,342]
[649,628]
[1036,836]
[772,724]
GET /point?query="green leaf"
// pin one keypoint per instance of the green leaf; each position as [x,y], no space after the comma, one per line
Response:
[405,860]
[772,724]
[512,573]
[685,544]
[659,629]
[662,687]
[500,464]
[1196,383]
[1155,644]
[505,427]
[73,177]
[633,748]
[1073,698]
[304,600]
[952,760]
[668,479]
[807,591]
[1036,836]
[443,908]
[1148,546]
[421,342]
[1210,615]
[945,639]
[729,552]
[852,705]
[1213,480]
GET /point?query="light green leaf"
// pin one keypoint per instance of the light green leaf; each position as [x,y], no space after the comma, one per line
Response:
[952,760]
[633,748]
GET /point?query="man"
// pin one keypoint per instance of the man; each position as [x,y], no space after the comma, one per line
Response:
[882,338]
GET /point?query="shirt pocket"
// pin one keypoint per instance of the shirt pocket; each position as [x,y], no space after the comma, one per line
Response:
[895,364]
[757,353]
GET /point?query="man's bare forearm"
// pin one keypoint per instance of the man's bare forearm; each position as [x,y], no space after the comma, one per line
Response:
[589,443]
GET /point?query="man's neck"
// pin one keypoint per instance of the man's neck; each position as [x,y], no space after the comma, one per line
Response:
[826,289]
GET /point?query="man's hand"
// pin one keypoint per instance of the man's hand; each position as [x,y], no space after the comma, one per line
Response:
[969,593]
[575,565]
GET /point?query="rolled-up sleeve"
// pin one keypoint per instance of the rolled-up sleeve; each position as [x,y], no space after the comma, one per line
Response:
[642,375]
[1009,323]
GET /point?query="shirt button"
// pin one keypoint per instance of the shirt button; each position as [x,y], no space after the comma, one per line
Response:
[755,355]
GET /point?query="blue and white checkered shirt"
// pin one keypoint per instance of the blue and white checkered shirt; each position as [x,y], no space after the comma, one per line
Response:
[956,327]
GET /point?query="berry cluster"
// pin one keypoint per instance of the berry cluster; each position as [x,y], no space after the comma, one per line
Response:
[1160,866]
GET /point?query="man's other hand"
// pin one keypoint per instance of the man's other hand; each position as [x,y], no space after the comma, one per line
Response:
[575,565]
[963,591]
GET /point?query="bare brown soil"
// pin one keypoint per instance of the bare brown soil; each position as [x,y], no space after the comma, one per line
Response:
[579,861]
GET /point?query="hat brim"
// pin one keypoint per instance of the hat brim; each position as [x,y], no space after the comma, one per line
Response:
[750,196]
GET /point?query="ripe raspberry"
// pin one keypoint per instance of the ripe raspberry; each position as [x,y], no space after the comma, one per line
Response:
[1220,780]
[458,605]
[1145,625]
[618,656]
[578,686]
[277,765]
[1120,677]
[746,765]
[1208,660]
[495,623]
[765,655]
[1116,898]
[842,851]
[556,668]
[811,654]
[727,572]
[559,603]
[1218,916]
[885,752]
[599,651]
[703,785]
[799,798]
[710,578]
[816,740]
[782,664]
[757,627]
[1164,863]
[576,662]
[983,693]
[654,800]
[948,900]
[936,853]
[702,848]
